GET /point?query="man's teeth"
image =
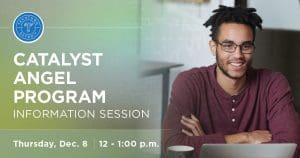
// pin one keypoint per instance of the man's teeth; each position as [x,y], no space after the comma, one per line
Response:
[236,64]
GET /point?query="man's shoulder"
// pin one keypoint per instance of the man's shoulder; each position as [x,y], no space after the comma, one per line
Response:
[269,74]
[194,78]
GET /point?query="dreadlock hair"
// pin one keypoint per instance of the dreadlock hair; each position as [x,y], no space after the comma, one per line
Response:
[238,15]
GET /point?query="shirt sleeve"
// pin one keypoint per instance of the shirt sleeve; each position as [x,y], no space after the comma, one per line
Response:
[282,116]
[182,102]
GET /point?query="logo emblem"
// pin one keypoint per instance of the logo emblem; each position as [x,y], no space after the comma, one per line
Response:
[28,27]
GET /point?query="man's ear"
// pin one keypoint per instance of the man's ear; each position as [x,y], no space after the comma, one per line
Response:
[213,47]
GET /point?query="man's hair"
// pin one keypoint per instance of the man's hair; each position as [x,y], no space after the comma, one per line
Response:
[238,15]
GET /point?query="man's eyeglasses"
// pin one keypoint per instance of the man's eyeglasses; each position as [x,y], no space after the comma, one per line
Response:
[230,47]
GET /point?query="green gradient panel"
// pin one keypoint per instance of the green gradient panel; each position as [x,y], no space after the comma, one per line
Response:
[110,27]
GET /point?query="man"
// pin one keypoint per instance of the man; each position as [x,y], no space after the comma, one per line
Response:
[231,102]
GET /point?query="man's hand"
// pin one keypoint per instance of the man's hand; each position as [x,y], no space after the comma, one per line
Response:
[193,124]
[254,137]
[259,136]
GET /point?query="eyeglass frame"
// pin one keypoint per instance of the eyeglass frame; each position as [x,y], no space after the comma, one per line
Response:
[235,46]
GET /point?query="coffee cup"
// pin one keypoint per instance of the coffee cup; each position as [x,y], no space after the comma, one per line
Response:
[180,151]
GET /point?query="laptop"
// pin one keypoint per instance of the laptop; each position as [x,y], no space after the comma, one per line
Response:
[248,150]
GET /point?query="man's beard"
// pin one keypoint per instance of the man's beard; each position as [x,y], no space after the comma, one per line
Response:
[226,72]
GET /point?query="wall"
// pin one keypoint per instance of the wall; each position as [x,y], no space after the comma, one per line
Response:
[278,14]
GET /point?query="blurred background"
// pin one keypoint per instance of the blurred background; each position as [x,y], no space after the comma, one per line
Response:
[172,31]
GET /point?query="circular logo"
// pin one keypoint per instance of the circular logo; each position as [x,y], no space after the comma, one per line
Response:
[28,27]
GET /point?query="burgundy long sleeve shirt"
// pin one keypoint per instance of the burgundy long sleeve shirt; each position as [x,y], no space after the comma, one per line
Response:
[265,103]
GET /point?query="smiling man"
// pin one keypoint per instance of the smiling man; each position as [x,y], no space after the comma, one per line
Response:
[231,102]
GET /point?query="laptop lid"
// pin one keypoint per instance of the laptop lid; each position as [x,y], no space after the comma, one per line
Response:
[248,150]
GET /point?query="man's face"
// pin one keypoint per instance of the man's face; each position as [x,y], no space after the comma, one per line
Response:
[233,64]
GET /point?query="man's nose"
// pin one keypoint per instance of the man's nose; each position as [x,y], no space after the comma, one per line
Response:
[238,52]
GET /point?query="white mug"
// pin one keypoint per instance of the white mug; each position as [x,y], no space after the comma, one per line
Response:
[180,151]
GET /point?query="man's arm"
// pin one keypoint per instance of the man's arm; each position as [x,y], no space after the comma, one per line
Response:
[283,120]
[182,104]
[254,137]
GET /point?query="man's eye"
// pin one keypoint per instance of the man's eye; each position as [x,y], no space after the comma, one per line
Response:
[247,46]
